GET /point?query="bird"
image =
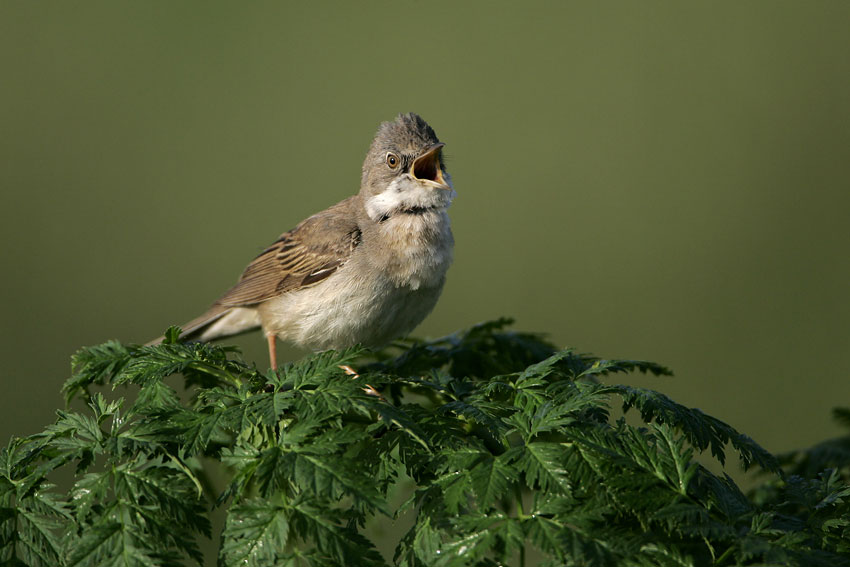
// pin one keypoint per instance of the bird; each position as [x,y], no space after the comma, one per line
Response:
[366,270]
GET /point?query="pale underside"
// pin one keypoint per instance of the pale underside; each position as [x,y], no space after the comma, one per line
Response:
[371,295]
[341,311]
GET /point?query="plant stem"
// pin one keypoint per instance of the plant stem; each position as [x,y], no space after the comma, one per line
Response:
[520,515]
[215,371]
[723,555]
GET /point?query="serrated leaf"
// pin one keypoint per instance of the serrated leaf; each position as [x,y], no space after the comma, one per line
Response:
[200,429]
[397,417]
[491,479]
[256,534]
[502,442]
[330,477]
[567,544]
[343,545]
[543,465]
[702,431]
[426,543]
[534,374]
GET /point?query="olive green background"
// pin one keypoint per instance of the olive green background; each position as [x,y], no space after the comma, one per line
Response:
[658,180]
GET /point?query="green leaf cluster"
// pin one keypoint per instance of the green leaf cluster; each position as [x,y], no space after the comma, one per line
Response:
[505,451]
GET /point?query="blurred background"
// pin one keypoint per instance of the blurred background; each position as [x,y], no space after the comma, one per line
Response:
[655,180]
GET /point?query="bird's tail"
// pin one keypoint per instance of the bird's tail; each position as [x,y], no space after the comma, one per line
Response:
[195,328]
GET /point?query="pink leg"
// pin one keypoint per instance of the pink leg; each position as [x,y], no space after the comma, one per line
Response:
[272,350]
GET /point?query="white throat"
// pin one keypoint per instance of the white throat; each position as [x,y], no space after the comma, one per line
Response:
[406,193]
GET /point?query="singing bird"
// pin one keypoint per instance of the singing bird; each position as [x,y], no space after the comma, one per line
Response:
[366,270]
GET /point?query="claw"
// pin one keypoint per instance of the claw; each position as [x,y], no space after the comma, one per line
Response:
[349,370]
[373,392]
[368,389]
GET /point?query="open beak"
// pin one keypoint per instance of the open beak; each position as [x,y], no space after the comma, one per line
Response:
[427,167]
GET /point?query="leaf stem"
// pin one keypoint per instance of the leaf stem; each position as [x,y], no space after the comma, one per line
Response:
[724,555]
[215,371]
[518,496]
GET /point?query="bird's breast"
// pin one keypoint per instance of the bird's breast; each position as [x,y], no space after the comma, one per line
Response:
[416,249]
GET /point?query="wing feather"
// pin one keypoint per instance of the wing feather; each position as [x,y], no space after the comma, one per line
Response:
[302,257]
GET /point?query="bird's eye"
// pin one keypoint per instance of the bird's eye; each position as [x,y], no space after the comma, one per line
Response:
[392,160]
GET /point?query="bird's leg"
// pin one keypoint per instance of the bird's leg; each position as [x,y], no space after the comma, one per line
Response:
[368,389]
[272,350]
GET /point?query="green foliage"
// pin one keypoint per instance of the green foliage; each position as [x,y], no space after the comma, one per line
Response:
[504,447]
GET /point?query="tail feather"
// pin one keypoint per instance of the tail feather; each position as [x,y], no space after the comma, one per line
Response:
[197,325]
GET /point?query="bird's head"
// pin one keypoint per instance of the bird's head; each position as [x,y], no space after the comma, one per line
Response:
[403,172]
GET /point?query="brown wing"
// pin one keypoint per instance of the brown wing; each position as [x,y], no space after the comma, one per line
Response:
[305,255]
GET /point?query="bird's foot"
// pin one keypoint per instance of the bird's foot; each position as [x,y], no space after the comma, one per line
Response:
[349,370]
[368,389]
